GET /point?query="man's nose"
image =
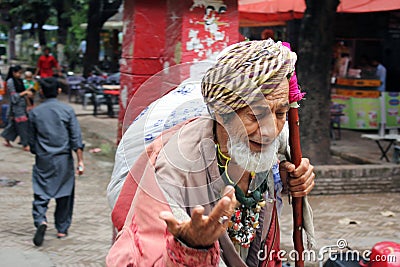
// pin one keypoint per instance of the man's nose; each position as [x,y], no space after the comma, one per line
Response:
[268,128]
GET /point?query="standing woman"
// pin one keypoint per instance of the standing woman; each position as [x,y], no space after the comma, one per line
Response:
[17,115]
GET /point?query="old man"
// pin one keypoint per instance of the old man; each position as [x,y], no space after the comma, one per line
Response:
[204,191]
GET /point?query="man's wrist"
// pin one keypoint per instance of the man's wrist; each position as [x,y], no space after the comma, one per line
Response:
[182,255]
[185,244]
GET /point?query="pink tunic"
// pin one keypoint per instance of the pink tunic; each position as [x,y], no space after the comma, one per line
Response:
[176,172]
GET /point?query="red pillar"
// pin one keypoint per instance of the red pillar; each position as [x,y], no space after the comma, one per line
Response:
[142,48]
[162,33]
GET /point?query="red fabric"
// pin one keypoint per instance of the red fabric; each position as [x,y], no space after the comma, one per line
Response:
[262,11]
[111,92]
[271,6]
[294,90]
[123,204]
[181,255]
[46,65]
[3,88]
[290,6]
[254,18]
[359,6]
[128,191]
[21,119]
[144,239]
[272,242]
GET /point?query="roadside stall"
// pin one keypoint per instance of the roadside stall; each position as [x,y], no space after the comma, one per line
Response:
[359,101]
[362,106]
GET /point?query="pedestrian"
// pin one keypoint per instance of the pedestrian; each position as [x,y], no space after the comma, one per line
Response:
[46,63]
[30,84]
[380,72]
[82,49]
[54,134]
[3,118]
[203,191]
[17,124]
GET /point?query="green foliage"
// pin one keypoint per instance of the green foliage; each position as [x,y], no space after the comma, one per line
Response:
[33,11]
[3,28]
[76,33]
[78,17]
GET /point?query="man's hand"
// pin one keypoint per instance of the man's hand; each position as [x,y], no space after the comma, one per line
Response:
[201,230]
[301,180]
[81,168]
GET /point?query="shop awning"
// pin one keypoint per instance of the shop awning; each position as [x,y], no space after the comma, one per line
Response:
[108,25]
[268,12]
[46,27]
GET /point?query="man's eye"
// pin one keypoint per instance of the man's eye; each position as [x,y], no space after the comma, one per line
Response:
[281,114]
[259,116]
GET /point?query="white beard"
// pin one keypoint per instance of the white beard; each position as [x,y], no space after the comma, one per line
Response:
[252,161]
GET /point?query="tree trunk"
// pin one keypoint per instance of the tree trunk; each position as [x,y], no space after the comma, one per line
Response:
[99,12]
[41,35]
[11,44]
[91,57]
[64,22]
[115,49]
[313,68]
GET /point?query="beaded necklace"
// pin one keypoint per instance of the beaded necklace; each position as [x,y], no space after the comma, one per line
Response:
[244,221]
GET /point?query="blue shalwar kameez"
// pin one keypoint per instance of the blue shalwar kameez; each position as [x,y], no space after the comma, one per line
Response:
[54,134]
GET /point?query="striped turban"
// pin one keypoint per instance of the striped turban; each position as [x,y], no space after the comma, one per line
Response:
[245,73]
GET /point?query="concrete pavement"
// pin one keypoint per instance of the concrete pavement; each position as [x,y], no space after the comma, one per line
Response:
[361,219]
[91,232]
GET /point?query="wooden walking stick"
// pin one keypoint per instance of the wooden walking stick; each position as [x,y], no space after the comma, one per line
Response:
[297,202]
[296,155]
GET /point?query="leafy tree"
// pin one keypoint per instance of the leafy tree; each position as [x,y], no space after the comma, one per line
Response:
[17,12]
[99,12]
[64,9]
[9,18]
[43,11]
[34,11]
[76,33]
[313,67]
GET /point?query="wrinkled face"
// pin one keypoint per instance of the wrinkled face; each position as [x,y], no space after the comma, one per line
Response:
[260,123]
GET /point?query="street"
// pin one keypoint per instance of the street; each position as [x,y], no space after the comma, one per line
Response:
[112,58]
[90,234]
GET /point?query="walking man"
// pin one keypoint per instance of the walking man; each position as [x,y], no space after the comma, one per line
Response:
[46,63]
[54,134]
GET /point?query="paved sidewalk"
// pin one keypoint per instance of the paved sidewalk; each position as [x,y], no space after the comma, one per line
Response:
[90,234]
[360,219]
[356,218]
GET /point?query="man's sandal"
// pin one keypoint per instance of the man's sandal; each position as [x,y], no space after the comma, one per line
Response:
[62,235]
[39,235]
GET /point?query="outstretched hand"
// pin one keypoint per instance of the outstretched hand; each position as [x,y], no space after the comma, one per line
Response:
[202,230]
[300,180]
